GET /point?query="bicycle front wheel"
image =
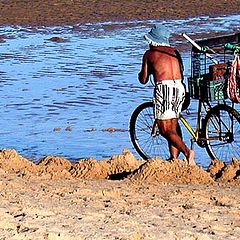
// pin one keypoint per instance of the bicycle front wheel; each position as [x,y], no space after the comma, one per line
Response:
[147,141]
[222,129]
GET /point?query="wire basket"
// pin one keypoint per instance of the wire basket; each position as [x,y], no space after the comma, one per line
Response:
[208,80]
[207,90]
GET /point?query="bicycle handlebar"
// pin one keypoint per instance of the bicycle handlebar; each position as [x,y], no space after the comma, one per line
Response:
[233,47]
[203,49]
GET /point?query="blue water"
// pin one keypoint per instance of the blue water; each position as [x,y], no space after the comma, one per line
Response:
[58,98]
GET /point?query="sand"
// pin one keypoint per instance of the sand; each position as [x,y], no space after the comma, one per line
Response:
[121,197]
[59,12]
[117,198]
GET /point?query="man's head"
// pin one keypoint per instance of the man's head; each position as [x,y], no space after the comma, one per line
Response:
[158,36]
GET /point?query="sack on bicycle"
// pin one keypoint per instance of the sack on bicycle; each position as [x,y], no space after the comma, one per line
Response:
[233,89]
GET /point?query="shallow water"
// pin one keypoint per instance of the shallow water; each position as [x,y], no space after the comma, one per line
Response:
[59,98]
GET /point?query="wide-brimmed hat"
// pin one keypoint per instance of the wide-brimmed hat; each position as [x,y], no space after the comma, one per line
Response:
[158,35]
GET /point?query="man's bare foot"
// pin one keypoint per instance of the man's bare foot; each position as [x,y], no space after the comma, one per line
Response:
[191,157]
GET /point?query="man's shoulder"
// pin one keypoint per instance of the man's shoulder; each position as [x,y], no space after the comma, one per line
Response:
[148,53]
[169,49]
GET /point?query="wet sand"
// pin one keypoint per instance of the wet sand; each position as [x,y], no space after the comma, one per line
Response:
[121,197]
[62,12]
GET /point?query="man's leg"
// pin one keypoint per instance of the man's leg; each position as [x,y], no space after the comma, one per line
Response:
[169,130]
[173,150]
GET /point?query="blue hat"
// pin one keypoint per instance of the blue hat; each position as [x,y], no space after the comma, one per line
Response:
[158,35]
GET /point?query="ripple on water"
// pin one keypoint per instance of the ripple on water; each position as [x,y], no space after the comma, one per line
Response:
[81,77]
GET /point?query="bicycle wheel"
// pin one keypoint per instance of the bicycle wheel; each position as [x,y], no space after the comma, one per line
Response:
[147,144]
[222,129]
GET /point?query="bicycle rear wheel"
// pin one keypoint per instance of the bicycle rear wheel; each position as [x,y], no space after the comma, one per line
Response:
[222,129]
[147,145]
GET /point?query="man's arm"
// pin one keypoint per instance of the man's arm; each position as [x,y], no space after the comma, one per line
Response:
[143,74]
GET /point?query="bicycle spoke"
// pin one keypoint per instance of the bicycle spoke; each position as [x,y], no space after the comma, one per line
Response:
[223,133]
[141,127]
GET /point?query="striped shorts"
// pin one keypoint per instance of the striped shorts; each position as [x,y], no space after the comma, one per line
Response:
[169,96]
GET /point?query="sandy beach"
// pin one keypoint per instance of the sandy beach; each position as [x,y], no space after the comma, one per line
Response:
[121,197]
[117,198]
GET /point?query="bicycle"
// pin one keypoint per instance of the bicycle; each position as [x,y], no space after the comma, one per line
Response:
[217,126]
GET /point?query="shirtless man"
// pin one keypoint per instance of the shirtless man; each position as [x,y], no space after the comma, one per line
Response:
[165,64]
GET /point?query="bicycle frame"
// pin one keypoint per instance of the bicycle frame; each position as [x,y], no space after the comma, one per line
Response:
[196,133]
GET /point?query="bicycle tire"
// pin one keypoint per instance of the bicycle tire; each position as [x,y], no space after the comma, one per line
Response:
[141,124]
[222,125]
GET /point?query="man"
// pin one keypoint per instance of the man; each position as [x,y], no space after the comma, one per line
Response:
[165,64]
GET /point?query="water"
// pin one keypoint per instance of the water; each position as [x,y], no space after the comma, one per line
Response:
[59,98]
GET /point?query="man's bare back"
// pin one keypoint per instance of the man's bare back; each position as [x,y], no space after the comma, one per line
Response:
[162,62]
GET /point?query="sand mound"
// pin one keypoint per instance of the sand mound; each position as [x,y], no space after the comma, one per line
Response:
[119,167]
[178,171]
[11,161]
[225,173]
[55,167]
[115,168]
[215,168]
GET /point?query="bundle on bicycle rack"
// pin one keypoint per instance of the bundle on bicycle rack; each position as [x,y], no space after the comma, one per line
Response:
[210,68]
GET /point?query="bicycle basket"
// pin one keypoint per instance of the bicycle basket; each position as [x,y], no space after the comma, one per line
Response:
[206,89]
[208,81]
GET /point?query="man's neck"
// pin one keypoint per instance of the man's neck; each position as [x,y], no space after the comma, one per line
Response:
[157,47]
